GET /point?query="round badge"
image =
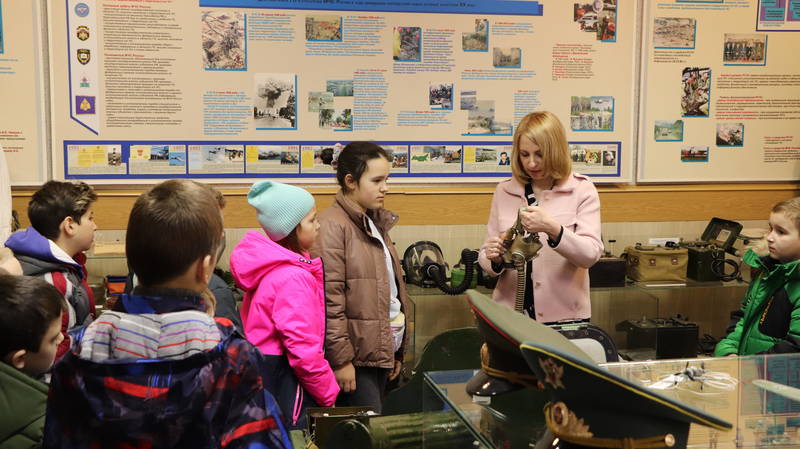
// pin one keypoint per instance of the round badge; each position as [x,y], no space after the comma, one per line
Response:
[82,10]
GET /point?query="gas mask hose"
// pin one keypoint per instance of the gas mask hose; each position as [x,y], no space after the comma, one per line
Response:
[437,273]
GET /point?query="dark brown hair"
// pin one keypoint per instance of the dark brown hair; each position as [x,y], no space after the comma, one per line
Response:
[291,242]
[28,307]
[57,200]
[353,160]
[170,227]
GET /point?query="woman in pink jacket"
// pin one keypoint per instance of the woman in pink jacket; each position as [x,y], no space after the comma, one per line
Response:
[284,303]
[563,207]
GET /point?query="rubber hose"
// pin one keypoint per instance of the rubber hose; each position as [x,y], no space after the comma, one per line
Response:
[519,265]
[436,272]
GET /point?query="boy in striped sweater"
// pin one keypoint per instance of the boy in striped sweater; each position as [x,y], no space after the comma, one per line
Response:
[159,371]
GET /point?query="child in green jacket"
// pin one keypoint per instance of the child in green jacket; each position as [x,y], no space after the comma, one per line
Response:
[770,321]
[30,331]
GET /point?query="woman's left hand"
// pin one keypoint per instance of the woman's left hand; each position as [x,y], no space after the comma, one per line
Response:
[536,219]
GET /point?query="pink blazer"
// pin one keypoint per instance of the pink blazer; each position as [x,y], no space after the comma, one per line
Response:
[561,274]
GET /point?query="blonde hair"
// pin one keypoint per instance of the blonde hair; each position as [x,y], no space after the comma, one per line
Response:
[545,130]
[790,208]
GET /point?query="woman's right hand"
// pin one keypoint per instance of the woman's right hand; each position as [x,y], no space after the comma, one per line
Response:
[493,249]
[346,377]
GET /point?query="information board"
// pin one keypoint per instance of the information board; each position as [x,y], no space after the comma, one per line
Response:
[720,92]
[236,90]
[22,117]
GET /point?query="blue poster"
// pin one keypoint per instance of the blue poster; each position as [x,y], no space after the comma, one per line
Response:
[500,7]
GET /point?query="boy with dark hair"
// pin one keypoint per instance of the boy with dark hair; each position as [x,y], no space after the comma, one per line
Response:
[158,371]
[62,228]
[30,331]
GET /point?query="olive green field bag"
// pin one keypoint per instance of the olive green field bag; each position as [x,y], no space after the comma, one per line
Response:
[656,263]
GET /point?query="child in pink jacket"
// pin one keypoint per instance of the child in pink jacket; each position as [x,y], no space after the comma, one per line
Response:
[284,303]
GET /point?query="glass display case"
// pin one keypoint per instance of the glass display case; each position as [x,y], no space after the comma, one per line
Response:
[706,304]
[435,312]
[740,390]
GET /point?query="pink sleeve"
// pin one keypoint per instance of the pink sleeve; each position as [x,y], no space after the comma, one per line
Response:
[583,246]
[300,320]
[492,230]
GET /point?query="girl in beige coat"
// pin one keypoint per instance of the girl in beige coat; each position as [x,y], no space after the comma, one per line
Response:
[364,288]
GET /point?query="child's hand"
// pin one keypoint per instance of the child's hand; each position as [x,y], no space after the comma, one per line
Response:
[346,377]
[398,365]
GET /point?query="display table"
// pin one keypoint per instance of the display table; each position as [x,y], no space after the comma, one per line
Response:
[761,419]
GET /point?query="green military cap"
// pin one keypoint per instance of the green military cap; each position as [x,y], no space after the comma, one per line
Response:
[589,407]
[503,330]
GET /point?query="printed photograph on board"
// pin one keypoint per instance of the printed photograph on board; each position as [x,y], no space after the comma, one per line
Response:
[326,118]
[217,158]
[696,96]
[340,88]
[481,117]
[607,25]
[730,134]
[177,158]
[323,28]
[609,158]
[674,32]
[468,99]
[95,160]
[319,100]
[694,153]
[592,113]
[157,159]
[436,158]
[598,17]
[440,95]
[487,159]
[745,49]
[275,101]
[595,158]
[342,120]
[398,155]
[159,153]
[668,130]
[336,119]
[114,156]
[223,40]
[510,57]
[407,44]
[273,159]
[477,39]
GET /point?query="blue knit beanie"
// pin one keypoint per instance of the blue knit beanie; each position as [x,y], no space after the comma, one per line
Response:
[281,207]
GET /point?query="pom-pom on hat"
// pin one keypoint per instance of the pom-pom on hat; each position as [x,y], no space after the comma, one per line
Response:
[281,207]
